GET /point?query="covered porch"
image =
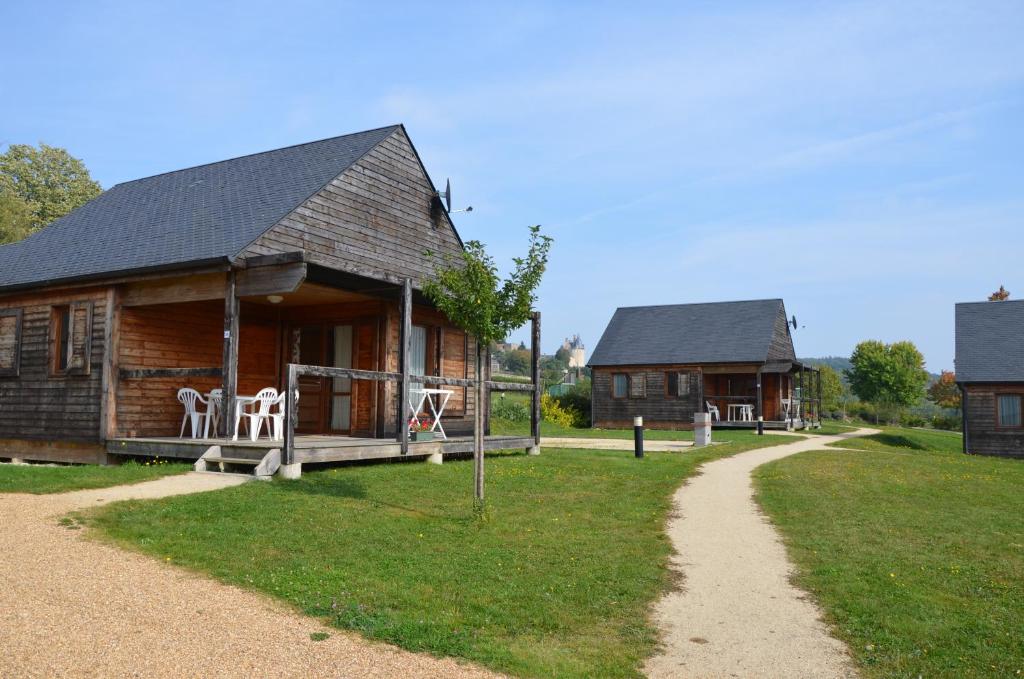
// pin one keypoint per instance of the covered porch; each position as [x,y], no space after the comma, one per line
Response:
[353,352]
[784,395]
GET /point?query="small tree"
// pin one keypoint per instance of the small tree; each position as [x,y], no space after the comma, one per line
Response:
[944,392]
[832,390]
[1000,295]
[891,376]
[468,290]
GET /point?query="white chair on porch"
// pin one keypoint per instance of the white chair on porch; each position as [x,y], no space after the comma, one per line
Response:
[713,411]
[189,398]
[277,416]
[260,413]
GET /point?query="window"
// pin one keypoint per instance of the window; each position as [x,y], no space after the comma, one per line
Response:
[677,384]
[71,339]
[638,386]
[1009,406]
[10,342]
[620,385]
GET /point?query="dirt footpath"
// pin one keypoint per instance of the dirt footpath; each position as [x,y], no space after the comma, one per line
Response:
[737,614]
[72,607]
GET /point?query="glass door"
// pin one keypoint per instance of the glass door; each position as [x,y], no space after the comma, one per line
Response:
[417,361]
[341,387]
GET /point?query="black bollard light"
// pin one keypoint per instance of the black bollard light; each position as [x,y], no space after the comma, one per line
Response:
[638,436]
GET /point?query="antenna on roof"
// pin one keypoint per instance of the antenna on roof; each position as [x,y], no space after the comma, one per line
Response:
[446,196]
[793,322]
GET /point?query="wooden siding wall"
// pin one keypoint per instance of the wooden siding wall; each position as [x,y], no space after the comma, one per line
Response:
[37,408]
[374,217]
[658,411]
[781,347]
[983,436]
[185,336]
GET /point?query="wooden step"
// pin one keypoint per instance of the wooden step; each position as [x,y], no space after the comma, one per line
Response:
[234,460]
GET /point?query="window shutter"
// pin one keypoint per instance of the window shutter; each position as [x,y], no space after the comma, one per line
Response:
[80,338]
[638,386]
[10,342]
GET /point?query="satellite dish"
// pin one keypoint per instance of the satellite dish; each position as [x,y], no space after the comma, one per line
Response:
[446,195]
[793,322]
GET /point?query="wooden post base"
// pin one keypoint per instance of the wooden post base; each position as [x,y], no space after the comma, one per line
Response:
[533,450]
[290,471]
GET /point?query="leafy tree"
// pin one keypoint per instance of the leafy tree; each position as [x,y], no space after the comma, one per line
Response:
[563,355]
[999,295]
[834,394]
[15,217]
[944,392]
[891,376]
[518,362]
[467,289]
[49,180]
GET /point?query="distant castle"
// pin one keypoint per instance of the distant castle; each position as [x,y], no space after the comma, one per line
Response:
[577,352]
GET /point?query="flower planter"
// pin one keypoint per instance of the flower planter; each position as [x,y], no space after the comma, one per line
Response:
[421,436]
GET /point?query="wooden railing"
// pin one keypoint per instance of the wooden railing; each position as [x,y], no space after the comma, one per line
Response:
[295,371]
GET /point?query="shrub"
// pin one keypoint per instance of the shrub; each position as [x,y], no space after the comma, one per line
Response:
[551,412]
[948,422]
[577,401]
[912,420]
[513,411]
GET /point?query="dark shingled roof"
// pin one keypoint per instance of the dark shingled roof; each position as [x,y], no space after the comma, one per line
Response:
[990,341]
[209,212]
[718,332]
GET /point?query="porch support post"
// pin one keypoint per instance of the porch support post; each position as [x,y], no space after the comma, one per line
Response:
[760,406]
[800,408]
[290,469]
[111,368]
[230,363]
[817,380]
[478,425]
[535,372]
[404,349]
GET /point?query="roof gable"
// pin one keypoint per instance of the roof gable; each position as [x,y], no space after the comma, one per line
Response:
[990,341]
[719,332]
[198,214]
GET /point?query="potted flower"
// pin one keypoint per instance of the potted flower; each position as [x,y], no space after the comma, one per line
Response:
[420,430]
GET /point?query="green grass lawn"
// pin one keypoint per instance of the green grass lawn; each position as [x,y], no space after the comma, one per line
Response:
[915,551]
[558,581]
[41,479]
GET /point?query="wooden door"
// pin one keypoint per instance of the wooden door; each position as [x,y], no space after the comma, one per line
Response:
[311,389]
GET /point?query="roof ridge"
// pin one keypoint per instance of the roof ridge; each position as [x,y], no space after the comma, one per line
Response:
[257,153]
[990,301]
[682,304]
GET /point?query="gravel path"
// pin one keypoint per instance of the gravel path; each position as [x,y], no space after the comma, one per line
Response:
[738,614]
[614,444]
[72,607]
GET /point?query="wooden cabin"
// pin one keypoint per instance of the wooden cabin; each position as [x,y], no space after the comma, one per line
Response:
[990,374]
[735,359]
[304,262]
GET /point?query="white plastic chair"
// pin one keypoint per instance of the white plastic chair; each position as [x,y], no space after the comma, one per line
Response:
[213,412]
[189,398]
[713,411]
[277,417]
[265,399]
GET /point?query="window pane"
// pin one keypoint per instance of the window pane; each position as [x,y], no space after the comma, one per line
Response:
[64,321]
[1009,410]
[620,384]
[417,360]
[684,384]
[672,384]
[342,356]
[341,410]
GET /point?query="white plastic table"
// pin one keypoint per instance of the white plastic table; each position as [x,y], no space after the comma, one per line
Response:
[746,412]
[241,402]
[429,397]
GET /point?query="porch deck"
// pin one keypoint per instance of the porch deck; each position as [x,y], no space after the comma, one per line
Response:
[311,449]
[783,425]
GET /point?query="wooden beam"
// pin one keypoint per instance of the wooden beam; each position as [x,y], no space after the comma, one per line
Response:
[478,425]
[280,279]
[535,372]
[404,350]
[758,417]
[274,259]
[195,288]
[110,373]
[230,359]
[148,373]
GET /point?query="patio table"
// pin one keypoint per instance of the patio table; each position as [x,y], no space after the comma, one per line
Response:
[242,401]
[429,398]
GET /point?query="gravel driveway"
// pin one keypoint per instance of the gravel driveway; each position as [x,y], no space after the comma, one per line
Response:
[738,614]
[73,607]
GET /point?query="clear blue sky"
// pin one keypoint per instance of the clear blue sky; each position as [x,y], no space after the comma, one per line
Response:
[861,160]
